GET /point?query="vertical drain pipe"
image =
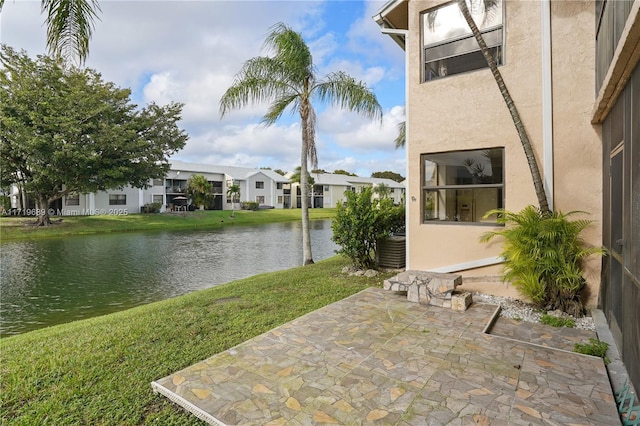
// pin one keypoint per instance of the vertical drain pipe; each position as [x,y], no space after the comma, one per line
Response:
[547,101]
[405,35]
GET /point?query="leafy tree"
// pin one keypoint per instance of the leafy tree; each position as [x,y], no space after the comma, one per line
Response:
[288,79]
[65,130]
[360,221]
[233,192]
[280,172]
[198,188]
[543,203]
[343,172]
[543,255]
[388,175]
[70,24]
[319,171]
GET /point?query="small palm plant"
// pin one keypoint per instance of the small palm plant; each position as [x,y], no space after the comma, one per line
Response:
[544,255]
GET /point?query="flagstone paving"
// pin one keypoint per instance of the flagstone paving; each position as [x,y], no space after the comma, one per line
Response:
[375,358]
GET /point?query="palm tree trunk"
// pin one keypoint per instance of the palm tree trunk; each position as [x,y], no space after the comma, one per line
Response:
[307,257]
[515,115]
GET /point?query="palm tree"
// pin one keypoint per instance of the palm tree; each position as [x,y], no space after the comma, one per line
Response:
[515,115]
[233,192]
[401,139]
[199,189]
[69,26]
[288,79]
[382,190]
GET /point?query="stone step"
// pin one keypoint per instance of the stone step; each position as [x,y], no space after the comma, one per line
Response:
[430,288]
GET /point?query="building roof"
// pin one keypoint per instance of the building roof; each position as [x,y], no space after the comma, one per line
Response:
[344,180]
[236,173]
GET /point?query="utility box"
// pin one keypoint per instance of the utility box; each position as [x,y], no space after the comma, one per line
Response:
[391,252]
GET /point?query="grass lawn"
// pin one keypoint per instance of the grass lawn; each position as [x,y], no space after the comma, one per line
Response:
[98,371]
[19,228]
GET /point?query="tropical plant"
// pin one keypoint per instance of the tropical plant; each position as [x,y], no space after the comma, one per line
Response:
[401,139]
[361,221]
[543,203]
[233,192]
[543,256]
[198,188]
[288,79]
[70,24]
[382,190]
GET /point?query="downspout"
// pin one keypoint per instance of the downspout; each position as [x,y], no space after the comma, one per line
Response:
[405,35]
[547,101]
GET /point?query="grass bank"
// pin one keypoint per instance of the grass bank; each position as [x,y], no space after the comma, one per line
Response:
[98,371]
[19,228]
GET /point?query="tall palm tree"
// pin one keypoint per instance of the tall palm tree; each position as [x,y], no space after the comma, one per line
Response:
[69,26]
[515,115]
[288,80]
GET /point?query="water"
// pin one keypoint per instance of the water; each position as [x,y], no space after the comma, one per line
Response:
[59,280]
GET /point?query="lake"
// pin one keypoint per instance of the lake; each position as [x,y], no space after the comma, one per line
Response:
[58,280]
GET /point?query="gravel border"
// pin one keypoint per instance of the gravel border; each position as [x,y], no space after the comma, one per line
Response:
[522,311]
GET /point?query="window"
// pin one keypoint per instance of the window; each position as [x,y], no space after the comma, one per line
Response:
[326,188]
[117,199]
[260,199]
[450,48]
[157,198]
[73,199]
[259,184]
[280,199]
[462,186]
[279,185]
[158,182]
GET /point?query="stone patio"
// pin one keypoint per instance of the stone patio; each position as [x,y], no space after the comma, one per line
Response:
[375,358]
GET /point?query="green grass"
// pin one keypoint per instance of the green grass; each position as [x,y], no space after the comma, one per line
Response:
[14,228]
[594,348]
[98,371]
[554,321]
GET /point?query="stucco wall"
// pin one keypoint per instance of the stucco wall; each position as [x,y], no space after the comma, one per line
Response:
[466,111]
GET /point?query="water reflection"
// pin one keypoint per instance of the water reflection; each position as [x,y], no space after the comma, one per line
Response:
[54,281]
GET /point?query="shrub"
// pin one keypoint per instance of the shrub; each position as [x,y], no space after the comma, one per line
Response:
[151,208]
[544,257]
[360,221]
[249,205]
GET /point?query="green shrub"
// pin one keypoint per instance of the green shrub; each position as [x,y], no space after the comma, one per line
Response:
[558,322]
[360,221]
[151,208]
[544,256]
[249,205]
[594,347]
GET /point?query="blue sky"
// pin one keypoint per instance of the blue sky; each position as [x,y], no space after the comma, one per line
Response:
[189,52]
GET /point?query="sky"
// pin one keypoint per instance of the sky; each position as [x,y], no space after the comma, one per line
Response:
[190,51]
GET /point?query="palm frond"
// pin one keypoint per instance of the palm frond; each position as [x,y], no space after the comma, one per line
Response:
[70,25]
[344,91]
[401,139]
[291,51]
[278,106]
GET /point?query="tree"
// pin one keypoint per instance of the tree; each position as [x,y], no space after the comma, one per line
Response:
[382,190]
[70,24]
[388,175]
[65,130]
[280,172]
[515,115]
[233,192]
[343,172]
[198,188]
[288,80]
[401,139]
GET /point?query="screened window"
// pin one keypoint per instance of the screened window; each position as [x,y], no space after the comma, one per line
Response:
[259,184]
[462,186]
[158,198]
[73,199]
[279,185]
[117,199]
[450,48]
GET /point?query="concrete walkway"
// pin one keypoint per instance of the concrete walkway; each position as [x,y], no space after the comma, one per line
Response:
[375,358]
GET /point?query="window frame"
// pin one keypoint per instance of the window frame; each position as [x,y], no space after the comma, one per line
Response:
[117,199]
[72,199]
[259,184]
[424,78]
[424,189]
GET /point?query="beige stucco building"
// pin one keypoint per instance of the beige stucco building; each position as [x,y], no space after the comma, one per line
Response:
[571,68]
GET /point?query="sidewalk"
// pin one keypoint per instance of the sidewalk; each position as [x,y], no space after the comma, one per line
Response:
[375,358]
